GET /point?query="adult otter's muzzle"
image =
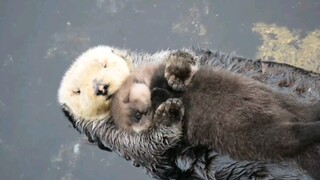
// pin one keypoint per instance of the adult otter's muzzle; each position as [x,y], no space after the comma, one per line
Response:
[100,89]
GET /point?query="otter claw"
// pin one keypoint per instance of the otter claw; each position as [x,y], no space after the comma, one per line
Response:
[178,70]
[176,83]
[172,109]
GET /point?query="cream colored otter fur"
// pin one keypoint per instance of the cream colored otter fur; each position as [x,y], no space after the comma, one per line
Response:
[90,82]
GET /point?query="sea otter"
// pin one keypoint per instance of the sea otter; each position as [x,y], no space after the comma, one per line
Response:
[224,111]
[185,162]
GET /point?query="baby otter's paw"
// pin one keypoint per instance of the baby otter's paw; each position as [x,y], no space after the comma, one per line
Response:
[179,69]
[170,111]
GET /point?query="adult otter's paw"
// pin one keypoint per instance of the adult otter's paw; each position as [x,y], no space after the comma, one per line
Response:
[179,70]
[170,111]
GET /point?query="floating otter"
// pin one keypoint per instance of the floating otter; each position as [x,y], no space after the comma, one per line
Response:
[84,95]
[224,111]
[183,161]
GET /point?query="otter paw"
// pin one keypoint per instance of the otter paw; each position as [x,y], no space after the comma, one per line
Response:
[176,83]
[172,109]
[178,70]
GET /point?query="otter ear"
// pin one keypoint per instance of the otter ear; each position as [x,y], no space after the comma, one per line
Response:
[124,54]
[130,64]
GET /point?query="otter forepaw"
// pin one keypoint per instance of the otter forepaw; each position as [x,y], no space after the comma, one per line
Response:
[179,70]
[172,110]
[175,83]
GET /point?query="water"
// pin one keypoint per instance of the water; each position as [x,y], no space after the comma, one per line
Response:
[40,38]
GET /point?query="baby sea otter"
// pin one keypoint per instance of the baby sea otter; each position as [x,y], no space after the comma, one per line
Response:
[233,114]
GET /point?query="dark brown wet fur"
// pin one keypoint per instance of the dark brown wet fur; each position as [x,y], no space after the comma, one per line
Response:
[244,118]
[241,117]
[247,120]
[201,162]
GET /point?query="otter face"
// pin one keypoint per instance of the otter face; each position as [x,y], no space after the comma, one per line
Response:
[91,81]
[131,107]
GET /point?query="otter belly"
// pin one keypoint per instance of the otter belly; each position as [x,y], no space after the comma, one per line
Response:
[236,117]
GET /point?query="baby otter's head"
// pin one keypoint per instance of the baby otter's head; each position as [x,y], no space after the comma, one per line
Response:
[131,107]
[87,87]
[134,104]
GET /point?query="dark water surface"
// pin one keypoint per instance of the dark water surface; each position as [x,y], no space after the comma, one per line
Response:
[40,38]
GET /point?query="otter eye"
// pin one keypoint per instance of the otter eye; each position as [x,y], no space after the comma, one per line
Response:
[105,66]
[77,91]
[137,115]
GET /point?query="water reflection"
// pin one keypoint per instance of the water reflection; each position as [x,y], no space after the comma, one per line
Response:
[291,47]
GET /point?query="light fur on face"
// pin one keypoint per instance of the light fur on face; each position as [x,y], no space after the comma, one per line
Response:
[140,93]
[140,98]
[101,64]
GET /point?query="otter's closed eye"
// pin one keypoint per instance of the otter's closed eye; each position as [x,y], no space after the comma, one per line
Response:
[137,116]
[77,91]
[105,66]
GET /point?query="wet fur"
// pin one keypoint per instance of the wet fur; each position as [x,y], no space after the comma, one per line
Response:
[244,118]
[234,115]
[198,162]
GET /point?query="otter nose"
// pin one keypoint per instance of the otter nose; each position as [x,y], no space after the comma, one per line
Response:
[101,89]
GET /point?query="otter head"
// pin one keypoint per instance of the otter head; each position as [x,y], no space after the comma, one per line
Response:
[131,107]
[87,87]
